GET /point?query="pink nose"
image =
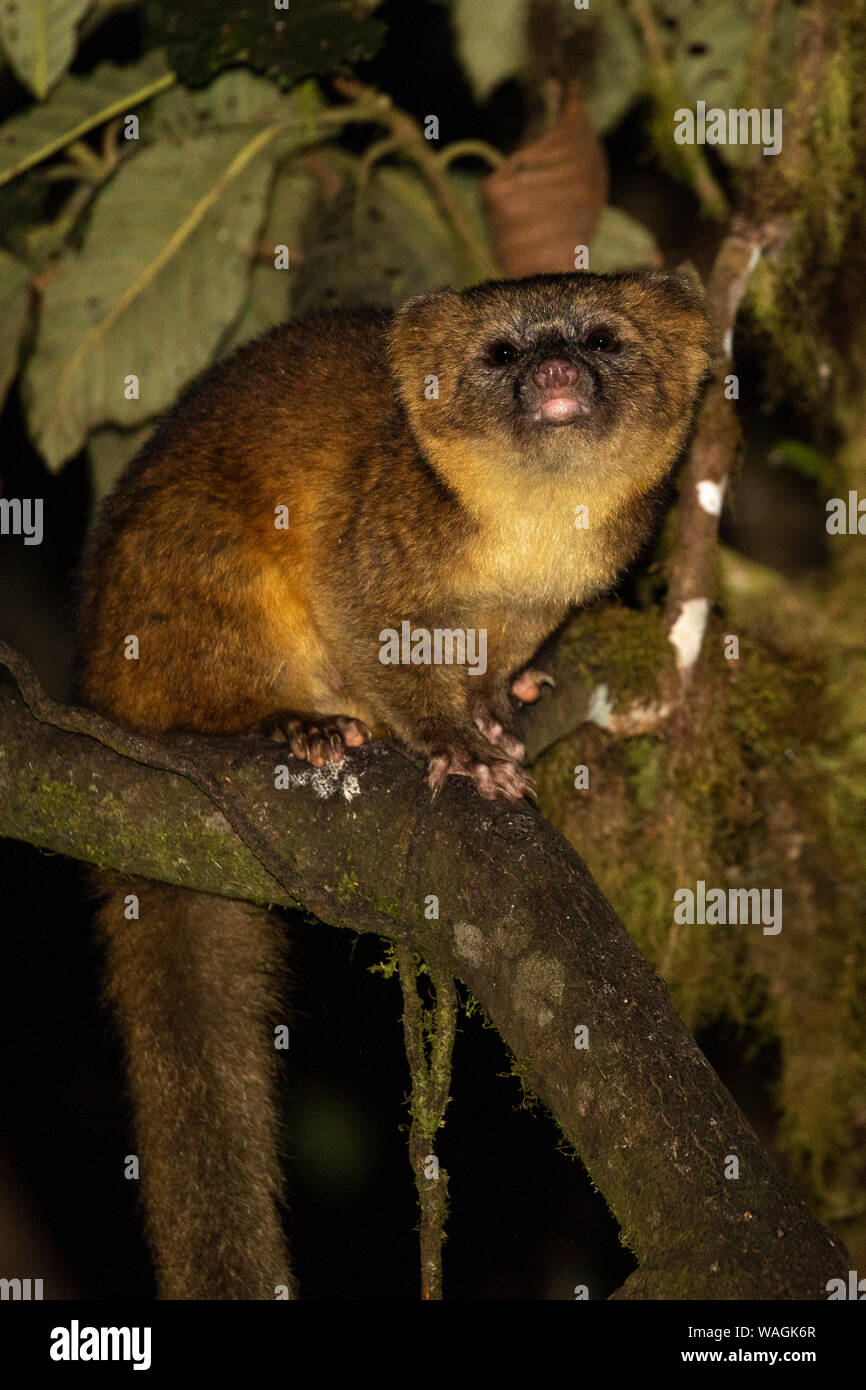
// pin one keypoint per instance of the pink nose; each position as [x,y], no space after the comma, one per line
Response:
[554,373]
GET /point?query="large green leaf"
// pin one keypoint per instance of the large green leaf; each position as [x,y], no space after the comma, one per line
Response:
[603,50]
[77,105]
[621,243]
[233,100]
[14,312]
[268,303]
[162,273]
[393,244]
[39,38]
[270,289]
[109,451]
[236,99]
[491,41]
[711,49]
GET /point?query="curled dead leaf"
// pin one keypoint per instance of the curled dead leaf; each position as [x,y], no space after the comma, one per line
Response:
[547,197]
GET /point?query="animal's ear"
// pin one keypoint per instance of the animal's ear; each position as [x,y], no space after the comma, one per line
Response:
[687,289]
[415,323]
[685,302]
[687,270]
[421,333]
[682,287]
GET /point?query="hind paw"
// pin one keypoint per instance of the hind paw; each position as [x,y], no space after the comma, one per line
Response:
[496,778]
[496,733]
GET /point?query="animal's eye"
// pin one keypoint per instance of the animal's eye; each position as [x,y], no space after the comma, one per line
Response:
[500,354]
[601,340]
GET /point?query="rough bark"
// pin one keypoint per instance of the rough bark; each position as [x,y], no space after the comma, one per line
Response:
[521,922]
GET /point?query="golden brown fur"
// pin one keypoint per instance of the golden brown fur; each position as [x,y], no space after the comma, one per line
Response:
[448,503]
[237,619]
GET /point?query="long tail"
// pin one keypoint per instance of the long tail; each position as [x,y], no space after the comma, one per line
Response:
[196,985]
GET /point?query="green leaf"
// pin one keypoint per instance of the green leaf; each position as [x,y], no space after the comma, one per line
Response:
[306,38]
[491,41]
[232,101]
[392,244]
[493,45]
[109,451]
[802,458]
[271,290]
[613,67]
[77,105]
[14,314]
[162,273]
[711,48]
[39,39]
[620,243]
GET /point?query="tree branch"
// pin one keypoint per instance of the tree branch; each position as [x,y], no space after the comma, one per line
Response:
[712,454]
[429,1039]
[521,921]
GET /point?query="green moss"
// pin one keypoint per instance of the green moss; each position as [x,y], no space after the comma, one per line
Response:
[520,1072]
[624,649]
[822,198]
[643,760]
[762,793]
[348,889]
[389,906]
[389,965]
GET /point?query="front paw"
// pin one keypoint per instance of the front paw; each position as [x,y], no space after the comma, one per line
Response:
[319,739]
[495,777]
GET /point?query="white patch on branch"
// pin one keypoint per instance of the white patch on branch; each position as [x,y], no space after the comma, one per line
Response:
[710,495]
[327,781]
[638,718]
[600,707]
[687,633]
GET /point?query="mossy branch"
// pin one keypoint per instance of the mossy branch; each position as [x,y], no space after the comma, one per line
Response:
[712,454]
[429,1034]
[521,923]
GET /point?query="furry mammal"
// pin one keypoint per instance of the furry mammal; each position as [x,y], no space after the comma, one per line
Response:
[431,463]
